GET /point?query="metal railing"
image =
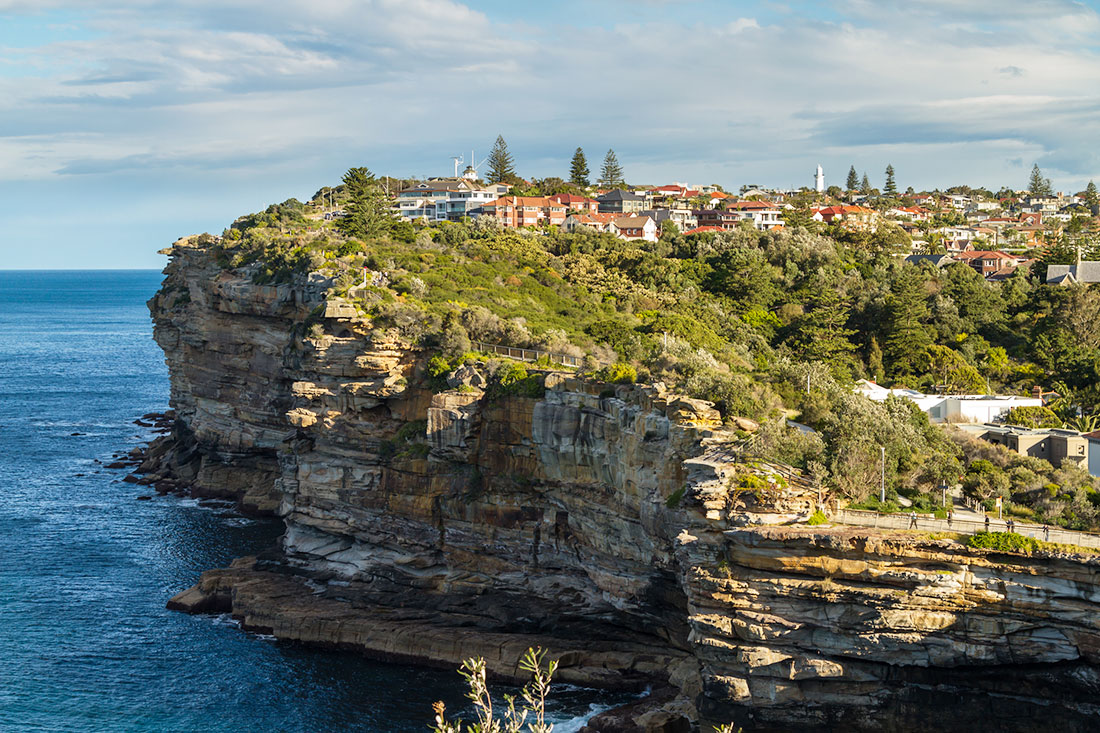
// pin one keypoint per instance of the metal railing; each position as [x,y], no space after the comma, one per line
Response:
[514,352]
[864,518]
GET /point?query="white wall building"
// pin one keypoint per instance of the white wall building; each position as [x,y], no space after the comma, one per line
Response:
[952,408]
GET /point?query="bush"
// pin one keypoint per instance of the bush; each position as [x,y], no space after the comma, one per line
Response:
[1004,542]
[1033,417]
[817,517]
[511,379]
[616,374]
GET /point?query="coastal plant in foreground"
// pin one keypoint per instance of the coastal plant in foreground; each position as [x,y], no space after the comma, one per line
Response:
[533,696]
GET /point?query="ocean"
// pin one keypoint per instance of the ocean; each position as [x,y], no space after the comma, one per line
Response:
[86,568]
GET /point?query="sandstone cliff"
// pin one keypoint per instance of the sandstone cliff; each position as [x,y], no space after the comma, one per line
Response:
[604,523]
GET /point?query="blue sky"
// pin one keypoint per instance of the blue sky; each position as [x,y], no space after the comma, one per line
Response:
[129,123]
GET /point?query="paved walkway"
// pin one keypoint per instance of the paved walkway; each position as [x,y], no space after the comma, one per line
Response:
[968,524]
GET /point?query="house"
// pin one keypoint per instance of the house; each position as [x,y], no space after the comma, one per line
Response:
[635,227]
[935,260]
[525,211]
[704,230]
[1054,445]
[1085,273]
[681,217]
[952,408]
[619,201]
[763,215]
[442,199]
[595,222]
[572,202]
[988,262]
[912,213]
[858,218]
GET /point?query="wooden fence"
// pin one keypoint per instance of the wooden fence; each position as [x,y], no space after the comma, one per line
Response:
[925,523]
[514,352]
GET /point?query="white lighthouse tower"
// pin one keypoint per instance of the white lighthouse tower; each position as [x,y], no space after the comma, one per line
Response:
[819,180]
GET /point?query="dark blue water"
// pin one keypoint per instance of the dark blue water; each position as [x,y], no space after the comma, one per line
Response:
[85,568]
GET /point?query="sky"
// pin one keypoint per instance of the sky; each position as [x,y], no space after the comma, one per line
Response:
[126,124]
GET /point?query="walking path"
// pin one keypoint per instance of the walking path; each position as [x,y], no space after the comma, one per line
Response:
[969,523]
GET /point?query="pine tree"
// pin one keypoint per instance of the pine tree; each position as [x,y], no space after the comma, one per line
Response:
[611,174]
[865,185]
[853,179]
[502,169]
[891,188]
[578,169]
[821,334]
[368,211]
[907,338]
[874,361]
[1037,185]
[1092,199]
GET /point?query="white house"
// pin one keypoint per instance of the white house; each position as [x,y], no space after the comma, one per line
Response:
[443,199]
[952,408]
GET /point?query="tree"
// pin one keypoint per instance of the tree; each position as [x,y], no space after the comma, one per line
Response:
[822,334]
[502,168]
[611,174]
[368,210]
[906,337]
[1092,199]
[865,185]
[891,188]
[951,371]
[578,169]
[853,179]
[1037,185]
[874,361]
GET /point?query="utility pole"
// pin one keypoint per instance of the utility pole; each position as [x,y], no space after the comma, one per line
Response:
[882,488]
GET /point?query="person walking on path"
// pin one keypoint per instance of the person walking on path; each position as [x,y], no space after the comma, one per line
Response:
[1046,533]
[912,520]
[950,515]
[1011,525]
[986,522]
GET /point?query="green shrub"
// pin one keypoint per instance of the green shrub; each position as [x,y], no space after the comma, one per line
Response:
[410,431]
[1035,416]
[676,497]
[512,379]
[1004,542]
[616,374]
[817,517]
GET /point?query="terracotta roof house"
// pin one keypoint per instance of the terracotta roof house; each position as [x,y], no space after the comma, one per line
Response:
[597,222]
[988,262]
[573,202]
[635,227]
[524,211]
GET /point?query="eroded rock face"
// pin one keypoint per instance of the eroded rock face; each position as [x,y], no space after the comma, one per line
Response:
[605,524]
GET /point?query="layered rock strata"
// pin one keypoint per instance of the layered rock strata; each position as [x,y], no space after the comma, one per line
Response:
[612,525]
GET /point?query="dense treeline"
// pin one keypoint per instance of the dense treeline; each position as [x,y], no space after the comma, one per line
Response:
[747,319]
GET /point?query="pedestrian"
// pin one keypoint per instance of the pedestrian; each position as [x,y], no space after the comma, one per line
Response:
[986,522]
[1011,525]
[950,516]
[912,520]
[1046,533]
